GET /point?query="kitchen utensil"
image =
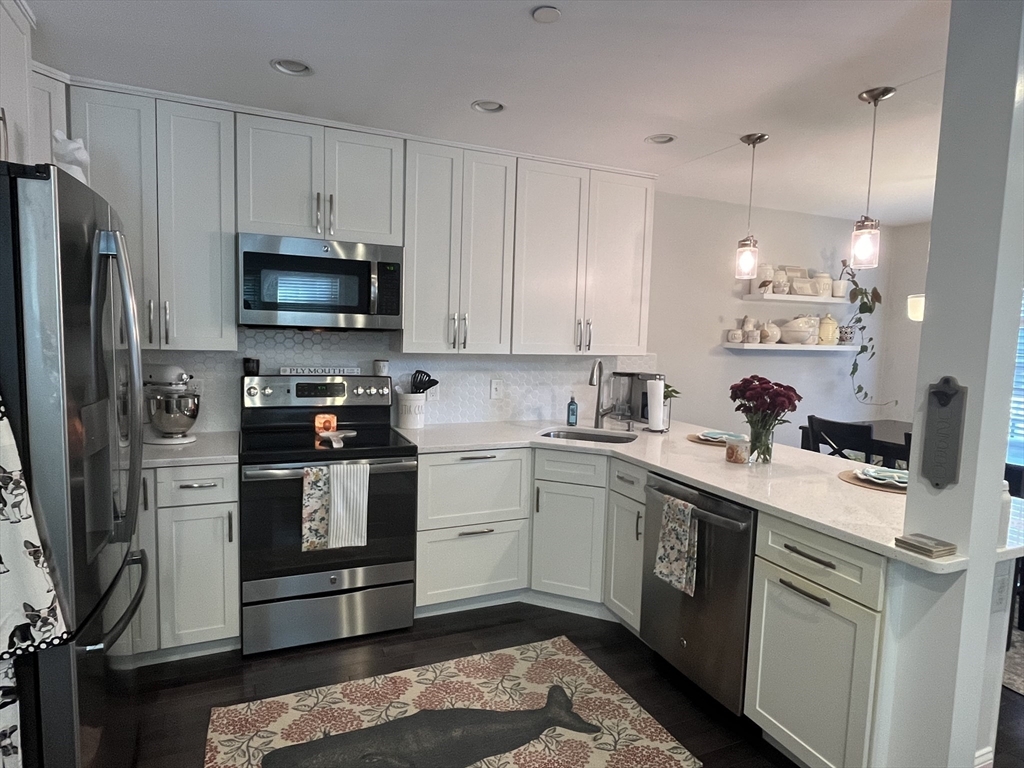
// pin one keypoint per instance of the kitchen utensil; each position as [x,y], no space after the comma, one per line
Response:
[430,384]
[419,381]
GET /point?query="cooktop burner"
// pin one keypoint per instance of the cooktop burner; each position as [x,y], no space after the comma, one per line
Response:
[281,416]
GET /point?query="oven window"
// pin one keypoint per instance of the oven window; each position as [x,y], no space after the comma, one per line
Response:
[305,284]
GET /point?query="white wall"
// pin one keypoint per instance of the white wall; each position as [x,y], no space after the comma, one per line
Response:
[695,299]
[907,255]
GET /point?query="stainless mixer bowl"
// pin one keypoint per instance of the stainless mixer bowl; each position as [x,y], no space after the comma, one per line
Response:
[172,414]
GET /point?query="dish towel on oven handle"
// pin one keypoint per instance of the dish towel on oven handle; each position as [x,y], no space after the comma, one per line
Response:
[676,561]
[334,500]
[30,615]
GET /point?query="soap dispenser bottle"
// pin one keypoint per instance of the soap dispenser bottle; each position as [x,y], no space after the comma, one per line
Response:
[573,411]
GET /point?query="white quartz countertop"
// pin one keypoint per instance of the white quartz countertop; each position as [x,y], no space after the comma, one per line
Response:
[800,486]
[209,448]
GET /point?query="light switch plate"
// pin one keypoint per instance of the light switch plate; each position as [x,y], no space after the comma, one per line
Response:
[434,393]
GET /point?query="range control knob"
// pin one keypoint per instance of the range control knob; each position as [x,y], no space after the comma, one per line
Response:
[372,391]
[384,391]
[358,391]
[252,390]
[268,391]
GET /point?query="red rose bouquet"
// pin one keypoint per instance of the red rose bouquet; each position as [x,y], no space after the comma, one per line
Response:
[764,404]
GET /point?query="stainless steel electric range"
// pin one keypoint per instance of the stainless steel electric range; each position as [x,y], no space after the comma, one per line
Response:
[294,597]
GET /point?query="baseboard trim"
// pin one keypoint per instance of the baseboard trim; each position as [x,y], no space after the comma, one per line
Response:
[555,602]
[179,653]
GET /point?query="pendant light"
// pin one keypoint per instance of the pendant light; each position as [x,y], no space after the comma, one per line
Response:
[866,238]
[746,251]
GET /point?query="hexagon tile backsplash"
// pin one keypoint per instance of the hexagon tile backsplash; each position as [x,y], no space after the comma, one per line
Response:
[537,387]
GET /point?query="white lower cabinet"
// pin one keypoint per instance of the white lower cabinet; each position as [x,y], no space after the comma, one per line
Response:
[624,558]
[470,561]
[568,540]
[810,668]
[197,573]
[473,487]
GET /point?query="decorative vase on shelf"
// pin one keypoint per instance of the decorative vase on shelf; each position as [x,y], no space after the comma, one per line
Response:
[764,404]
[840,288]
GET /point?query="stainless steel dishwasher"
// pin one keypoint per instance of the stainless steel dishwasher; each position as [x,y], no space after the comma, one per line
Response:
[704,636]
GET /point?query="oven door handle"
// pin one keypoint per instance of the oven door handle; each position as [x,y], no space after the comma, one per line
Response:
[295,472]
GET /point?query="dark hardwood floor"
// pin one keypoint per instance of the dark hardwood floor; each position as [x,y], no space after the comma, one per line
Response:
[177,697]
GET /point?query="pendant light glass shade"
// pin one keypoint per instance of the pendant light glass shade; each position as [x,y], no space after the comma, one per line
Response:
[746,259]
[746,251]
[864,245]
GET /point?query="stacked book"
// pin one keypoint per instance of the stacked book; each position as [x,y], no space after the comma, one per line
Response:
[928,546]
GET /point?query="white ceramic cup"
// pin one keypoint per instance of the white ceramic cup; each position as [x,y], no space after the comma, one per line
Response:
[381,367]
[411,409]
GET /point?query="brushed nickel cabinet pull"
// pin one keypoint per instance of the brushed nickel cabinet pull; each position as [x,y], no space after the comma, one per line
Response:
[579,335]
[808,556]
[330,213]
[167,322]
[455,330]
[638,525]
[150,321]
[319,226]
[3,124]
[805,593]
[231,526]
[536,506]
[194,486]
[465,330]
[476,533]
[625,478]
[145,494]
[590,333]
[478,458]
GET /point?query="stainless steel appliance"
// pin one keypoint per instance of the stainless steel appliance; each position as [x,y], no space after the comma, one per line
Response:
[629,396]
[299,282]
[171,408]
[294,597]
[703,636]
[70,372]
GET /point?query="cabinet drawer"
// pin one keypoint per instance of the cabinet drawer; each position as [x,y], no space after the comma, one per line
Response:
[473,488]
[455,563]
[627,479]
[206,484]
[843,568]
[568,467]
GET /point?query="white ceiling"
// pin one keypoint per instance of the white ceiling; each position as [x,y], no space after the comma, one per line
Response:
[588,88]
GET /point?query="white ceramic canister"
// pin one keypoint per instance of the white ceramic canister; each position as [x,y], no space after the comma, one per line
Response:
[770,333]
[780,282]
[735,336]
[411,409]
[828,331]
[822,284]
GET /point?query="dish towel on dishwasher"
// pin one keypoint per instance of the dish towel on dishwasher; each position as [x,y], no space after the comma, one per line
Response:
[334,506]
[676,561]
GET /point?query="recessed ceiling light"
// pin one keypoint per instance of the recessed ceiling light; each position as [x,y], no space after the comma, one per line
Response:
[660,138]
[292,67]
[546,14]
[490,107]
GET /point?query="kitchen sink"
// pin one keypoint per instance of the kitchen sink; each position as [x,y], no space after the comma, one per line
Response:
[593,436]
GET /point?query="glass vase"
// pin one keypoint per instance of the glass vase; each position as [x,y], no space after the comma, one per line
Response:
[762,440]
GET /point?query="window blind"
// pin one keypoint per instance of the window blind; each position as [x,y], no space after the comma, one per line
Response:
[1015,449]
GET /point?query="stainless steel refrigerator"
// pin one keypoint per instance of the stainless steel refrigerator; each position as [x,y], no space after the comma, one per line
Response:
[70,373]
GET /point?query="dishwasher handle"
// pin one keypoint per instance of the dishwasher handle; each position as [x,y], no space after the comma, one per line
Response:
[719,521]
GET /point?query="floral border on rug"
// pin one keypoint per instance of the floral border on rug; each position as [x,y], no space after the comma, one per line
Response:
[508,680]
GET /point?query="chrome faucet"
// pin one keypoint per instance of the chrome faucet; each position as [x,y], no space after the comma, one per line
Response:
[596,374]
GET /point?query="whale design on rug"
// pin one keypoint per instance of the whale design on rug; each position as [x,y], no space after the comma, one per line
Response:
[434,738]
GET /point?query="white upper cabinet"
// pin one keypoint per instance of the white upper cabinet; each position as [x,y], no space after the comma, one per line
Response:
[15,67]
[301,180]
[364,187]
[280,177]
[460,211]
[433,250]
[618,264]
[196,204]
[119,131]
[550,258]
[49,113]
[485,287]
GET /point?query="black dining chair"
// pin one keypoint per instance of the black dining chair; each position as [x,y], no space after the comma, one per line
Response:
[1014,475]
[840,437]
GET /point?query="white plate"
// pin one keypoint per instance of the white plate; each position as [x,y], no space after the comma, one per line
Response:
[714,436]
[884,476]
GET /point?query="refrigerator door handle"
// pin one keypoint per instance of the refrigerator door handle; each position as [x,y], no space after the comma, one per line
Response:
[112,635]
[112,245]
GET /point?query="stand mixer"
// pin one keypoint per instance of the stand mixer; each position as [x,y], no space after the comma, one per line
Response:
[171,407]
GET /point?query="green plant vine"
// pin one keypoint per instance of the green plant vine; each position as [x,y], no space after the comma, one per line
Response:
[867,301]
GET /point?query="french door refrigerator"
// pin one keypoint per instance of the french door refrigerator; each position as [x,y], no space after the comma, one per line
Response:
[70,373]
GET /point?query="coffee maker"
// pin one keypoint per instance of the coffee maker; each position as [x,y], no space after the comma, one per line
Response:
[629,396]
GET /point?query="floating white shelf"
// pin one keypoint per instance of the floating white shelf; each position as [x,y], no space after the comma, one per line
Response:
[792,347]
[793,297]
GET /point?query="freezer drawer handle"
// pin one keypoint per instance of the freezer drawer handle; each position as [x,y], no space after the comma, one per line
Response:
[196,486]
[135,558]
[807,556]
[805,593]
[476,533]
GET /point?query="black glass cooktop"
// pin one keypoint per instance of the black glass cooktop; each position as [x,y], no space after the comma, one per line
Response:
[275,444]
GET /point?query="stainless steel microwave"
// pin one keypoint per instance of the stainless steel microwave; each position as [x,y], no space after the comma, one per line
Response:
[297,282]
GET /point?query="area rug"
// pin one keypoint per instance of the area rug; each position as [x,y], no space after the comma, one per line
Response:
[542,705]
[1013,668]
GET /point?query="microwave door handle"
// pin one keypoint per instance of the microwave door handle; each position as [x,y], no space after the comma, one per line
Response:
[373,287]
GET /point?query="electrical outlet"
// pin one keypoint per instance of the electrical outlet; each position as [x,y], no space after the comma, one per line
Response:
[497,389]
[434,393]
[196,385]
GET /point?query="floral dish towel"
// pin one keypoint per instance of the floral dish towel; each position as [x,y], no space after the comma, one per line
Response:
[316,508]
[30,616]
[676,562]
